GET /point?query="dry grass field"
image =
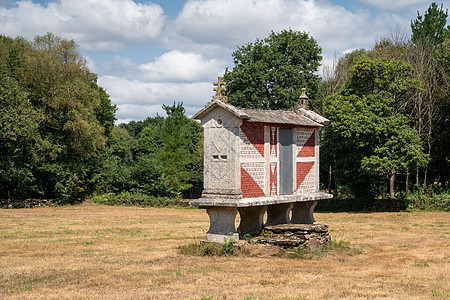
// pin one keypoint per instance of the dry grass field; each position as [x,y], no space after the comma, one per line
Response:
[100,252]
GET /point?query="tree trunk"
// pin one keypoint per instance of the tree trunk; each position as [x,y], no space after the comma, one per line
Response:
[430,127]
[9,192]
[417,177]
[385,190]
[407,181]
[425,176]
[392,183]
[336,195]
[329,179]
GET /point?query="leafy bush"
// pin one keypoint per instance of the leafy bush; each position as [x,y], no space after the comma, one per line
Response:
[31,202]
[206,249]
[432,198]
[359,204]
[229,247]
[136,199]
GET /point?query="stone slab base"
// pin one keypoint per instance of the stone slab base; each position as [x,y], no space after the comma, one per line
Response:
[311,236]
[221,238]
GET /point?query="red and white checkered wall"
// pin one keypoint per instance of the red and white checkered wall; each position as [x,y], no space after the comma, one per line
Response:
[259,160]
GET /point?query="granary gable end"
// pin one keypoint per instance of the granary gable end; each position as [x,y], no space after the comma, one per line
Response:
[221,148]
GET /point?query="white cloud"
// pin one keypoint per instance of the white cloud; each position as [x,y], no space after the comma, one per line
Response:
[172,66]
[92,65]
[205,30]
[227,22]
[128,112]
[143,99]
[94,24]
[199,41]
[134,112]
[220,25]
[179,66]
[125,91]
[394,5]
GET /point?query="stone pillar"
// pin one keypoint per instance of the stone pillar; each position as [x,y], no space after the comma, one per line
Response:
[252,220]
[278,214]
[302,212]
[221,220]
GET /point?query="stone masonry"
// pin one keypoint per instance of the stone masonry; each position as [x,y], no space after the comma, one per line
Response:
[257,162]
[310,236]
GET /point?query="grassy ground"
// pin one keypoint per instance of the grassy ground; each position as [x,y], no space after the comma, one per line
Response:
[101,252]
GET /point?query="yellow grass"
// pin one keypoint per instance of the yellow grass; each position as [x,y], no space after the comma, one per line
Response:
[100,252]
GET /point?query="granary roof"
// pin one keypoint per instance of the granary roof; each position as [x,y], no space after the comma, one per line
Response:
[301,116]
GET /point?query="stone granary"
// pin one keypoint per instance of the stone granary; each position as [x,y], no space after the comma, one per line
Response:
[257,161]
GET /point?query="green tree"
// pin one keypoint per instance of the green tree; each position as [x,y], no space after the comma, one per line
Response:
[116,163]
[156,156]
[174,152]
[431,27]
[135,128]
[67,118]
[270,73]
[429,32]
[60,84]
[150,139]
[427,107]
[441,124]
[124,169]
[334,76]
[400,149]
[148,177]
[369,135]
[122,144]
[105,112]
[19,139]
[175,145]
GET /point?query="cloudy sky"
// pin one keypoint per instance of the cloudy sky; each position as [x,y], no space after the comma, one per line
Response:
[149,53]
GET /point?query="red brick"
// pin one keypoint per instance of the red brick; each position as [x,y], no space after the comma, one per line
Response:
[303,169]
[249,187]
[308,149]
[255,134]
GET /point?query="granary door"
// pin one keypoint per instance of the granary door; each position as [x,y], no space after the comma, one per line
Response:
[286,138]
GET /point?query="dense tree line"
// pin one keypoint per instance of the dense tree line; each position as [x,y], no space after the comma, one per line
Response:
[370,138]
[157,156]
[57,133]
[54,119]
[389,108]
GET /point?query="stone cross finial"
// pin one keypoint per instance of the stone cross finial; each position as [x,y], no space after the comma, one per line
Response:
[303,103]
[219,86]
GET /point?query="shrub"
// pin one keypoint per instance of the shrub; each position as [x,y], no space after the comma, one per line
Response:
[229,247]
[136,199]
[432,198]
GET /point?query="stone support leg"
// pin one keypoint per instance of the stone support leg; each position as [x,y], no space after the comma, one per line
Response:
[221,224]
[252,220]
[302,212]
[278,214]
